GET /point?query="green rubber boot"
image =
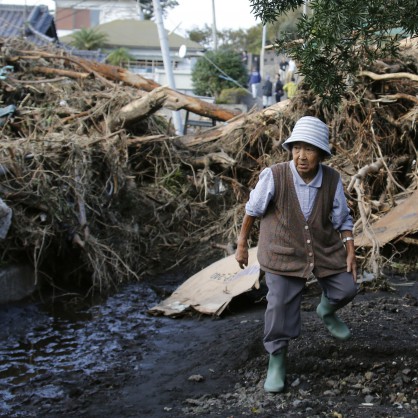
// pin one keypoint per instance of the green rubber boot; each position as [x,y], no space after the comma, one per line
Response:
[335,326]
[276,372]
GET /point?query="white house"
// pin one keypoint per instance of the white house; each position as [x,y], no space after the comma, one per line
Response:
[121,22]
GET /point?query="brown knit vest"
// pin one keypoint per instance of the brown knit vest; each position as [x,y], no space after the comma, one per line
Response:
[288,244]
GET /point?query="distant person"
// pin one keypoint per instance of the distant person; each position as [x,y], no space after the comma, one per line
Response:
[267,92]
[244,57]
[290,88]
[254,82]
[291,71]
[283,68]
[278,89]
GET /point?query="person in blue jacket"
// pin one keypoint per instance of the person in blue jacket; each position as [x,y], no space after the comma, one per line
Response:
[254,82]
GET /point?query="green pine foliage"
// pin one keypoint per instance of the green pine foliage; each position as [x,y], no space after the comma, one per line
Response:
[338,38]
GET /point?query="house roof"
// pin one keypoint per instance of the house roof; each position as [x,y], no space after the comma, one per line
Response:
[140,34]
[35,23]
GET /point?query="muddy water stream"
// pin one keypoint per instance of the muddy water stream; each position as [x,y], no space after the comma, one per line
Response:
[45,339]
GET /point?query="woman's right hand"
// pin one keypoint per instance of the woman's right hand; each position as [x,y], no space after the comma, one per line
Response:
[241,255]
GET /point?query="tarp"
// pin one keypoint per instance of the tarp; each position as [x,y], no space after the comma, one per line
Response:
[398,222]
[212,289]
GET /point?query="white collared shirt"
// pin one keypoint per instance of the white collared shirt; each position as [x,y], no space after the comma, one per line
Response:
[264,191]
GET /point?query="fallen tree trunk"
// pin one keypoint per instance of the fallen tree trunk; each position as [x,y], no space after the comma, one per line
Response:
[153,101]
[64,73]
[111,72]
[224,131]
[176,99]
[139,109]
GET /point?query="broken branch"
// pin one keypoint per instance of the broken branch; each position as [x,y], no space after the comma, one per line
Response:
[393,76]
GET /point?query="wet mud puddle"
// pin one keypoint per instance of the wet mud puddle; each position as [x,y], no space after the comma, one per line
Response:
[40,341]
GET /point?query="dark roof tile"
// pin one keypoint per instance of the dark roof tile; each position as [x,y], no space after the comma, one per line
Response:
[35,23]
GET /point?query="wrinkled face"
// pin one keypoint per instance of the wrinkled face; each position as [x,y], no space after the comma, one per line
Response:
[306,158]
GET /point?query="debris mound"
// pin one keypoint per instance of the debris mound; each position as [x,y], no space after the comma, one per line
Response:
[103,191]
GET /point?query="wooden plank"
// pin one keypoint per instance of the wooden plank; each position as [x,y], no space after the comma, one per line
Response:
[399,221]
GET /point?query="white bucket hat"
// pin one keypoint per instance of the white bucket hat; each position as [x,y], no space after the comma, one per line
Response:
[312,131]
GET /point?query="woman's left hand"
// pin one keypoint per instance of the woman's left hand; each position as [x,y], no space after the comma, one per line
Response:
[352,264]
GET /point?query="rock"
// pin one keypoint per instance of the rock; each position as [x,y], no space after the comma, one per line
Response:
[368,399]
[369,375]
[16,283]
[196,378]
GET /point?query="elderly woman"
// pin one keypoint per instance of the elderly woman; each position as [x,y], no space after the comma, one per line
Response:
[305,229]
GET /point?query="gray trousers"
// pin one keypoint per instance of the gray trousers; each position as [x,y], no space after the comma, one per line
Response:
[282,317]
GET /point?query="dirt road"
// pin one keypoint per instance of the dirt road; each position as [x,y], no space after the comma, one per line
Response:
[200,366]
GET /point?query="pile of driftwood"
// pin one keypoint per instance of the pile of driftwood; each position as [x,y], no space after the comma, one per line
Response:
[103,191]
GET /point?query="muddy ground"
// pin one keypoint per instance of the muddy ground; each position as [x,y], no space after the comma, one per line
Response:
[125,363]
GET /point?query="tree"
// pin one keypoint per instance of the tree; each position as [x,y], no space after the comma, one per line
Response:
[219,70]
[285,26]
[239,40]
[340,37]
[119,57]
[243,39]
[235,39]
[201,36]
[147,7]
[250,39]
[88,39]
[254,39]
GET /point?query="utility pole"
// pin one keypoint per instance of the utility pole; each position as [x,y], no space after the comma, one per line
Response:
[167,61]
[214,31]
[263,47]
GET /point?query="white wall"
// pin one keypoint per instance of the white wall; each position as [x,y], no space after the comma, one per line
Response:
[182,79]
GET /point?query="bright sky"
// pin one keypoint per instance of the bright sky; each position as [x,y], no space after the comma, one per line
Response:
[230,14]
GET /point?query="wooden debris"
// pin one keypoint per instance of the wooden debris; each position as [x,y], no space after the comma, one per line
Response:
[103,190]
[102,71]
[163,97]
[393,76]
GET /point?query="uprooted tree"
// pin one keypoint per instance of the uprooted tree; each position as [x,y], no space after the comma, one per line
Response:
[103,191]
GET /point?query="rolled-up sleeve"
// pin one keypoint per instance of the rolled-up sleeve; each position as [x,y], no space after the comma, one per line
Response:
[261,195]
[341,217]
